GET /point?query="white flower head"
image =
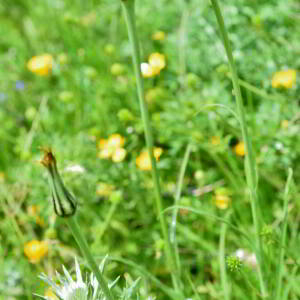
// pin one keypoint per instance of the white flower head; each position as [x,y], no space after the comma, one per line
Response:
[68,289]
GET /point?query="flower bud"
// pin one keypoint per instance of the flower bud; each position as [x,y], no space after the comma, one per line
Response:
[64,203]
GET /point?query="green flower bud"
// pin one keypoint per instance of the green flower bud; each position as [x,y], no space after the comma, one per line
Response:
[234,263]
[64,203]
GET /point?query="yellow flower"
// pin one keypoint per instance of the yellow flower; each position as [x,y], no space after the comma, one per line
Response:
[33,211]
[117,69]
[157,61]
[239,149]
[143,161]
[112,148]
[116,141]
[157,152]
[2,176]
[148,71]
[41,65]
[215,140]
[285,79]
[105,153]
[50,295]
[158,36]
[102,144]
[284,124]
[222,198]
[119,155]
[35,250]
[104,189]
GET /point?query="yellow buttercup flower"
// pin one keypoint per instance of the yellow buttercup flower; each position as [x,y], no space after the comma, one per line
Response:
[104,189]
[148,71]
[284,124]
[112,148]
[35,250]
[239,149]
[105,153]
[102,144]
[41,65]
[143,161]
[222,198]
[119,155]
[215,140]
[158,36]
[157,152]
[116,141]
[157,61]
[285,79]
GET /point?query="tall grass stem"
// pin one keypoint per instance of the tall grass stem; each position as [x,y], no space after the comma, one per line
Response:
[72,223]
[283,236]
[129,12]
[223,273]
[250,165]
[177,199]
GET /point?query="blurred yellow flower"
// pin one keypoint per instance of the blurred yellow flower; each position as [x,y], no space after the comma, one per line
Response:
[157,152]
[105,153]
[116,141]
[33,211]
[158,36]
[285,79]
[102,144]
[49,294]
[222,198]
[112,148]
[41,65]
[157,61]
[284,124]
[117,69]
[215,140]
[143,161]
[2,176]
[148,71]
[222,201]
[119,155]
[104,189]
[35,250]
[239,149]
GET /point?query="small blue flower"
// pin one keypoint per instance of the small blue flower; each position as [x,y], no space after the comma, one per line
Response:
[2,97]
[20,85]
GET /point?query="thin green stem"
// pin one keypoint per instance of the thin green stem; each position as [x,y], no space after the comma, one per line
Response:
[283,236]
[223,274]
[250,165]
[129,12]
[177,199]
[88,255]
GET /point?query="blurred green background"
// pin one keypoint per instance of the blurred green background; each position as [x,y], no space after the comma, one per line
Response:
[89,94]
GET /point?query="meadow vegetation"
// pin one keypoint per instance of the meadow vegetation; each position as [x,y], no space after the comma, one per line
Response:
[183,161]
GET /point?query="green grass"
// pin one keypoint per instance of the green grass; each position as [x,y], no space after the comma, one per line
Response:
[190,102]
